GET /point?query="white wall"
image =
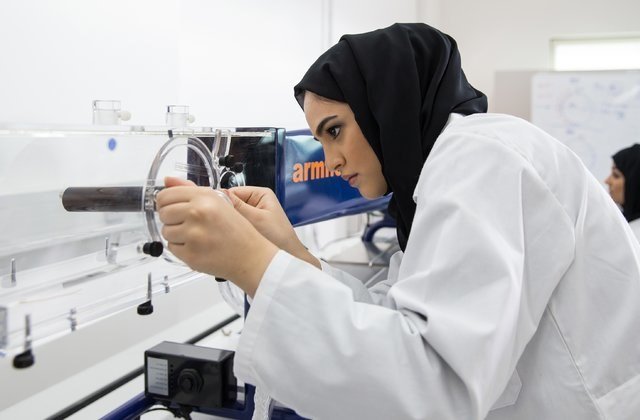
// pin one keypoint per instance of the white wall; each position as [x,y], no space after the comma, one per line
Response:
[57,56]
[358,16]
[506,35]
[239,60]
[235,62]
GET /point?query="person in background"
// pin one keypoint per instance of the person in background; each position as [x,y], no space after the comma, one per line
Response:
[512,296]
[624,184]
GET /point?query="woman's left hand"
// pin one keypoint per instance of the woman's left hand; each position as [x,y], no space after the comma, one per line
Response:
[209,235]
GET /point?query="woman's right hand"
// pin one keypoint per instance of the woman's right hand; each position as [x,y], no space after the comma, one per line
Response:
[261,207]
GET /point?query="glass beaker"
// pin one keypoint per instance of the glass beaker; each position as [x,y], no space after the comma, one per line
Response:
[106,112]
[178,116]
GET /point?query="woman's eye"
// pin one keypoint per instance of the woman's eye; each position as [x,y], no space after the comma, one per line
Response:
[334,131]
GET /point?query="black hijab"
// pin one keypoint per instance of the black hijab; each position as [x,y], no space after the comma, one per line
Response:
[628,162]
[401,82]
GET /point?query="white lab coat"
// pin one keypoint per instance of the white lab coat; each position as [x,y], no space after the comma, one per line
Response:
[635,227]
[518,297]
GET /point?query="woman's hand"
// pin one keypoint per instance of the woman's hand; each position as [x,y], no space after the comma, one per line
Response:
[261,207]
[210,236]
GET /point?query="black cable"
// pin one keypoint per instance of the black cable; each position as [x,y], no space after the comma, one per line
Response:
[112,386]
[186,412]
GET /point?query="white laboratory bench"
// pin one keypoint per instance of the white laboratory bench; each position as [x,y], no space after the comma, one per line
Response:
[367,262]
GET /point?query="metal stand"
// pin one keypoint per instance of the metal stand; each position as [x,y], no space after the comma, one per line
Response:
[387,221]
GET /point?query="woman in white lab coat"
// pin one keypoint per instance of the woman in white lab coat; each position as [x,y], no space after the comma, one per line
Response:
[516,293]
[624,184]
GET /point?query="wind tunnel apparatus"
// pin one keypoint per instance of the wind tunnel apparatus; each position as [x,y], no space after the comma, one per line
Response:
[80,235]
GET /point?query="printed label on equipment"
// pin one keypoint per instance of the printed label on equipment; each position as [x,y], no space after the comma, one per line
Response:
[157,376]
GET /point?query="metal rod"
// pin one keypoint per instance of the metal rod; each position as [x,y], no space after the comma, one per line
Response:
[99,199]
[149,287]
[73,322]
[27,332]
[14,280]
[165,283]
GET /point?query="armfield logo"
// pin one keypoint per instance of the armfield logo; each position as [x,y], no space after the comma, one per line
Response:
[308,171]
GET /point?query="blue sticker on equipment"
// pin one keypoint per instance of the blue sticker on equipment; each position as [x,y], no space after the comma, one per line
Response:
[112,144]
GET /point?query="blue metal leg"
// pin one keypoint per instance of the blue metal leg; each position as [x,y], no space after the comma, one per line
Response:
[387,221]
[131,409]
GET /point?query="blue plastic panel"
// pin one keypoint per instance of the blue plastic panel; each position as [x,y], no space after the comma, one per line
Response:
[307,190]
[292,164]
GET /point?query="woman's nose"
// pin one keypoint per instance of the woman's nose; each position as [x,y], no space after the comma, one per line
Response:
[333,161]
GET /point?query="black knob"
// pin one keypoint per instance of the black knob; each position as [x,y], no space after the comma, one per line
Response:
[145,308]
[23,360]
[190,381]
[227,161]
[154,249]
[228,180]
[238,167]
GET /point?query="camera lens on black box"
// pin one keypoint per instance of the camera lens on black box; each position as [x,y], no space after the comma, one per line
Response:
[189,381]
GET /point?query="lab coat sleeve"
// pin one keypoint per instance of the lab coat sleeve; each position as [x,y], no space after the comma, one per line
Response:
[488,246]
[376,294]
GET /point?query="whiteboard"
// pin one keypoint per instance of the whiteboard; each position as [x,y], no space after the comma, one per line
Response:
[593,113]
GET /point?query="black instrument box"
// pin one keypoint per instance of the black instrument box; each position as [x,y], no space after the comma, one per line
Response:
[190,375]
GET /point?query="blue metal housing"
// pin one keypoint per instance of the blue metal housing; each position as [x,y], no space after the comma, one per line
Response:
[307,190]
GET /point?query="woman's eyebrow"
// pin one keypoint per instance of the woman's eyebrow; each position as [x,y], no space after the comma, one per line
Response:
[323,123]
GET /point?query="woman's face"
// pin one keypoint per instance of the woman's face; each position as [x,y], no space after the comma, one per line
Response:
[615,181]
[345,148]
